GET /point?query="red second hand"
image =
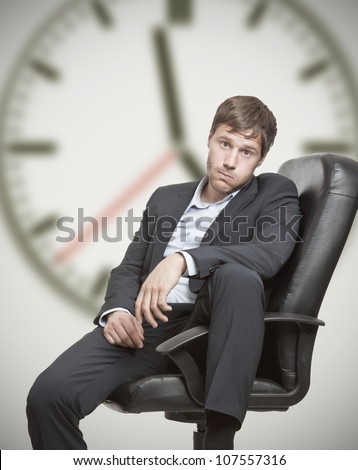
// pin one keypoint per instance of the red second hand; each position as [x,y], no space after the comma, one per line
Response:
[116,205]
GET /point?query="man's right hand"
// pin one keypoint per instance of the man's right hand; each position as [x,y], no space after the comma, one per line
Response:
[122,329]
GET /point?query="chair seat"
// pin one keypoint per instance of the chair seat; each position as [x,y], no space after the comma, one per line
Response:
[168,393]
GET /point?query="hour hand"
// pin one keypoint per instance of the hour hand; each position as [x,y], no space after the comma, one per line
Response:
[171,101]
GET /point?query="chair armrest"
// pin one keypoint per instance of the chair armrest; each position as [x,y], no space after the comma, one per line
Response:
[185,337]
[174,348]
[181,339]
[293,318]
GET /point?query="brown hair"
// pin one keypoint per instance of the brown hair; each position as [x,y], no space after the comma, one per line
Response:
[247,114]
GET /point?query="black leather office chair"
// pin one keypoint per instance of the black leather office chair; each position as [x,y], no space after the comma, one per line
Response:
[328,191]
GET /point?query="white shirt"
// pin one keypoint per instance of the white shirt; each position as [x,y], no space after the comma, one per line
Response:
[196,219]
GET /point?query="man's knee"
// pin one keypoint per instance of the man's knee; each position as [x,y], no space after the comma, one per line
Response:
[237,284]
[235,275]
[46,393]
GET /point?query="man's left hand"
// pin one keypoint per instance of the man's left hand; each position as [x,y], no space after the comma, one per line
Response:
[152,298]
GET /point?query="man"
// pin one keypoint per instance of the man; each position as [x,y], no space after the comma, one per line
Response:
[201,255]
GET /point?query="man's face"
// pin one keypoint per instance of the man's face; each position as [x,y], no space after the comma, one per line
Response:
[231,163]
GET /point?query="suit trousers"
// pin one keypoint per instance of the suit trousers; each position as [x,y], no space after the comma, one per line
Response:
[231,302]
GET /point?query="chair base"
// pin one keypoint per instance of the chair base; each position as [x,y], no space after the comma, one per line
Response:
[198,439]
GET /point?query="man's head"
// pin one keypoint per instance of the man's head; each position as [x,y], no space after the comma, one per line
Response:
[242,133]
[250,116]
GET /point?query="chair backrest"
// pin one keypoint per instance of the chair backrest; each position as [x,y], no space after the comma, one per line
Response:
[328,192]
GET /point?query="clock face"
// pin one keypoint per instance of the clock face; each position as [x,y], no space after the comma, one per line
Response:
[113,98]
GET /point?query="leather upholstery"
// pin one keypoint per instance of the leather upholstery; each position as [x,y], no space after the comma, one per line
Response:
[142,395]
[328,193]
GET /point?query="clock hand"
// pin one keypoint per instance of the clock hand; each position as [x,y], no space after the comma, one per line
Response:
[116,205]
[172,106]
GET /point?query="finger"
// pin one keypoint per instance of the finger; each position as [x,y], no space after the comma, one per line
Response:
[108,337]
[158,313]
[112,336]
[146,310]
[124,339]
[132,333]
[139,328]
[116,331]
[138,307]
[155,307]
[162,303]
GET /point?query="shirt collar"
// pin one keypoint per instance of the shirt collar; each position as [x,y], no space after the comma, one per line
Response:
[196,201]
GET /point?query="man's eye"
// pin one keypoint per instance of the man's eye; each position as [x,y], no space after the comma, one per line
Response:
[225,144]
[246,153]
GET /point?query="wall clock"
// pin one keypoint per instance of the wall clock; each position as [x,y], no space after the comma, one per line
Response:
[112,98]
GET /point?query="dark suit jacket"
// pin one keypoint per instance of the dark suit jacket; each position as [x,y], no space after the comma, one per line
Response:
[257,228]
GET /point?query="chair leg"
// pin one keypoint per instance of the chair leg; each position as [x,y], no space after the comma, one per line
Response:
[198,436]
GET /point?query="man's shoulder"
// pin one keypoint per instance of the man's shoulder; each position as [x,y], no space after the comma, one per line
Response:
[177,189]
[269,180]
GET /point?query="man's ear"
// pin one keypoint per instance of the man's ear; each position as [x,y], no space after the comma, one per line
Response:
[209,138]
[261,161]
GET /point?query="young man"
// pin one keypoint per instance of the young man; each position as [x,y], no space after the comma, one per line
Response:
[201,255]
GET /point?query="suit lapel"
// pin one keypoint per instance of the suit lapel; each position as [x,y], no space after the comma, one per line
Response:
[172,213]
[237,204]
[174,209]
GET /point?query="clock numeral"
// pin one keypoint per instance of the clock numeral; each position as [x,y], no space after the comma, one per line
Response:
[327,146]
[45,70]
[100,283]
[32,148]
[45,225]
[102,14]
[257,13]
[179,11]
[313,70]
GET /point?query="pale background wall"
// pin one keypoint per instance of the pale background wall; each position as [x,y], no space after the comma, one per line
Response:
[38,324]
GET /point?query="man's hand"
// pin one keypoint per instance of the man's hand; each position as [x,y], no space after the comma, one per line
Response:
[152,298]
[122,329]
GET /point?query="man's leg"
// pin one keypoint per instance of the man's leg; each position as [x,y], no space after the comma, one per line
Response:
[232,303]
[83,377]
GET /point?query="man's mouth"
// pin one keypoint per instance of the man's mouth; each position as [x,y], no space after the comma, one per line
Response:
[226,176]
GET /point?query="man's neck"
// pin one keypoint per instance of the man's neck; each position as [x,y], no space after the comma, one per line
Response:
[210,196]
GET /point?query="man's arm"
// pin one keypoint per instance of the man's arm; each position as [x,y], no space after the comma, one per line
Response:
[273,240]
[152,298]
[125,280]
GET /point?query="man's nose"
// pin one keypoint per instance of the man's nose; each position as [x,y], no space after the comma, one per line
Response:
[230,161]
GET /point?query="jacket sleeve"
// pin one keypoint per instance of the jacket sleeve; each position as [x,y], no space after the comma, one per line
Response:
[272,242]
[125,280]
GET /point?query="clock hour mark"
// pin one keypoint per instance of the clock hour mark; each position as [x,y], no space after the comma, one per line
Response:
[101,13]
[100,283]
[44,225]
[327,146]
[313,70]
[45,70]
[257,13]
[32,148]
[179,11]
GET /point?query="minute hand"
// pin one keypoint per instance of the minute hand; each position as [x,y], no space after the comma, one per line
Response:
[172,105]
